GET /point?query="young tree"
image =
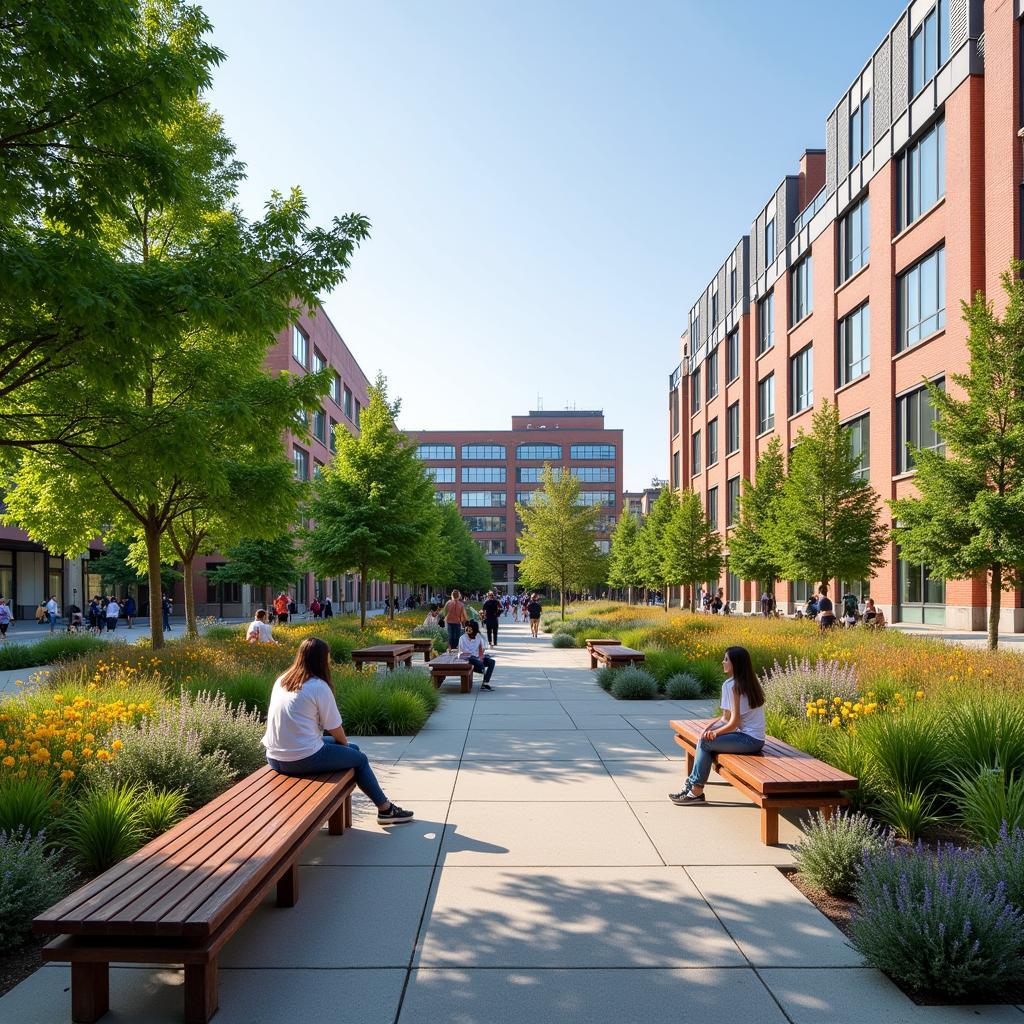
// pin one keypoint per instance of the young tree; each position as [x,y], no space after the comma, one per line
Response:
[828,521]
[557,540]
[623,562]
[651,543]
[264,564]
[691,546]
[751,555]
[119,566]
[969,518]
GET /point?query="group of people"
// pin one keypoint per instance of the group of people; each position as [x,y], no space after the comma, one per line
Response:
[820,608]
[713,604]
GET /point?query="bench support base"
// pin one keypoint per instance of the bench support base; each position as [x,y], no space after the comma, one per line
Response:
[90,992]
[288,887]
[200,992]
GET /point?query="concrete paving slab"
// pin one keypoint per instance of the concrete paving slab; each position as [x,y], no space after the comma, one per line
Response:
[571,917]
[541,834]
[408,782]
[724,995]
[522,723]
[771,920]
[622,744]
[382,749]
[447,743]
[497,705]
[370,844]
[535,746]
[644,780]
[599,723]
[535,780]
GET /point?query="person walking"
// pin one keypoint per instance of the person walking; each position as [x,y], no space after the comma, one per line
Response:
[130,609]
[5,619]
[471,649]
[281,607]
[454,618]
[515,609]
[533,609]
[302,708]
[166,608]
[492,615]
[315,607]
[328,610]
[52,611]
[113,611]
[94,615]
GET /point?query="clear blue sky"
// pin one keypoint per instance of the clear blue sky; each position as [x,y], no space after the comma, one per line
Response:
[550,184]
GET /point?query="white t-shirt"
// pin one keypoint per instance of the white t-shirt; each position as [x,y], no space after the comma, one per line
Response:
[751,719]
[113,610]
[296,720]
[51,606]
[471,648]
[260,630]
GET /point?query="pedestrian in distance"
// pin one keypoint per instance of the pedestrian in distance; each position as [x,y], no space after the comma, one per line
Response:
[826,612]
[328,611]
[430,621]
[52,611]
[113,612]
[130,610]
[5,619]
[95,616]
[471,649]
[315,607]
[281,607]
[492,614]
[455,618]
[166,608]
[533,610]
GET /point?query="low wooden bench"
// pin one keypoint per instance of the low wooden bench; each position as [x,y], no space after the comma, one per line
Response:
[420,645]
[606,642]
[614,656]
[391,655]
[182,896]
[779,776]
[450,664]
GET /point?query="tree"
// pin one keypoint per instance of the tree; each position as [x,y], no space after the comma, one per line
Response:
[557,539]
[969,518]
[691,546]
[623,562]
[119,566]
[828,520]
[651,543]
[460,563]
[751,555]
[264,564]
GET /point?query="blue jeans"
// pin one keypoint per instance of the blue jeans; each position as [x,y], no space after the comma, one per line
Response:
[335,757]
[728,743]
[484,664]
[454,633]
[52,619]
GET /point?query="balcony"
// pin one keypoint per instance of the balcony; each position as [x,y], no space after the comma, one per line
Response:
[807,213]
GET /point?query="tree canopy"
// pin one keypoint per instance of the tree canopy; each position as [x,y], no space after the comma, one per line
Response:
[623,561]
[651,544]
[751,555]
[691,546]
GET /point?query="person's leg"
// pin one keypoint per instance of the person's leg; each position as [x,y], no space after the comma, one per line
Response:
[495,628]
[335,757]
[454,632]
[729,743]
[488,668]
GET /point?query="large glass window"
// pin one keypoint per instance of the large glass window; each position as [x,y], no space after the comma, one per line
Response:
[435,452]
[592,451]
[300,458]
[854,345]
[713,442]
[732,428]
[441,474]
[300,345]
[732,586]
[732,501]
[732,356]
[319,363]
[675,470]
[712,507]
[801,381]
[921,175]
[493,546]
[922,594]
[860,444]
[539,452]
[860,130]
[484,499]
[485,524]
[915,427]
[483,451]
[483,474]
[320,426]
[922,299]
[714,311]
[673,408]
[336,390]
[695,391]
[929,48]
[854,241]
[766,323]
[711,369]
[769,241]
[346,407]
[732,287]
[527,497]
[535,474]
[801,290]
[695,453]
[332,440]
[766,403]
[594,474]
[444,497]
[695,333]
[596,498]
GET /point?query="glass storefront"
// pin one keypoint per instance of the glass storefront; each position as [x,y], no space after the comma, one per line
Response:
[922,596]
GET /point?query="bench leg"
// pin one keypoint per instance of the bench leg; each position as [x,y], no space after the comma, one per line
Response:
[336,822]
[200,992]
[467,684]
[593,662]
[288,887]
[90,992]
[689,764]
[827,811]
[348,811]
[769,826]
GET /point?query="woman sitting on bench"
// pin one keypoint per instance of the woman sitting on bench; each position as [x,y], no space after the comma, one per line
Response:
[739,730]
[302,708]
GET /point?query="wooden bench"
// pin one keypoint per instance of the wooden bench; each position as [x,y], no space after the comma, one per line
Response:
[391,655]
[614,656]
[420,645]
[450,664]
[591,643]
[182,896]
[779,776]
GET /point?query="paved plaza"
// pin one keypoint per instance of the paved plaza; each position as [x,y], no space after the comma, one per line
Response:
[546,879]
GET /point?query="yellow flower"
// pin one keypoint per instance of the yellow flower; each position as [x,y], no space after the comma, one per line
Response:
[835,722]
[116,745]
[102,755]
[67,775]
[919,695]
[9,761]
[67,755]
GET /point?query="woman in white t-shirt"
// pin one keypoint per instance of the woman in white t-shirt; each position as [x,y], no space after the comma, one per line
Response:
[739,729]
[302,708]
[259,629]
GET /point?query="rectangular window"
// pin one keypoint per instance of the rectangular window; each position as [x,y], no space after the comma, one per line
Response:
[596,498]
[732,501]
[319,363]
[922,299]
[695,391]
[854,345]
[527,497]
[535,474]
[712,507]
[732,287]
[483,451]
[484,499]
[732,356]
[441,474]
[766,323]
[801,381]
[346,408]
[929,48]
[695,453]
[359,409]
[332,440]
[766,404]
[539,452]
[336,390]
[801,290]
[860,131]
[594,452]
[673,408]
[444,497]
[854,241]
[318,469]
[732,428]
[300,345]
[769,242]
[714,311]
[301,460]
[915,427]
[485,524]
[732,586]
[435,452]
[675,470]
[713,442]
[483,474]
[695,334]
[860,444]
[594,474]
[711,369]
[921,176]
[320,426]
[493,546]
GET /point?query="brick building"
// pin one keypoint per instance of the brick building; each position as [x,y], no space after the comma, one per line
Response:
[848,286]
[485,472]
[640,502]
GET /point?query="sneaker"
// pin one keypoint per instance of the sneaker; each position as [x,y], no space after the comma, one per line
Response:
[394,815]
[486,686]
[686,798]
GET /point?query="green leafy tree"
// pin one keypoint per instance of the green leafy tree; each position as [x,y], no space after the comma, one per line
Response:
[651,544]
[623,561]
[459,563]
[118,566]
[828,523]
[691,546]
[557,540]
[266,565]
[751,555]
[969,518]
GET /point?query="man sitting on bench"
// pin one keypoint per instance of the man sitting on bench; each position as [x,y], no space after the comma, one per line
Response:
[471,649]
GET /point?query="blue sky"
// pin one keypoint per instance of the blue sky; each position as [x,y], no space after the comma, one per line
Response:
[550,184]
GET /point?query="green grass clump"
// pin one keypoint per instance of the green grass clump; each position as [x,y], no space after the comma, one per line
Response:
[404,712]
[634,683]
[663,663]
[683,686]
[159,810]
[102,826]
[362,708]
[59,647]
[563,640]
[25,804]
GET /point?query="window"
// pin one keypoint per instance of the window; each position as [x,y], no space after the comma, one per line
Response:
[801,294]
[485,524]
[675,470]
[854,345]
[915,427]
[539,452]
[483,451]
[535,474]
[359,409]
[483,474]
[319,363]
[493,546]
[596,498]
[917,589]
[929,48]
[320,426]
[711,368]
[484,499]
[592,451]
[332,441]
[594,474]
[766,323]
[712,507]
[769,242]
[444,497]
[695,391]
[336,390]
[695,453]
[766,404]
[346,408]
[732,357]
[527,497]
[441,474]
[860,131]
[435,452]
[300,345]
[732,287]
[801,383]
[714,311]
[318,469]
[604,547]
[302,418]
[854,241]
[673,408]
[732,428]
[732,501]
[713,442]
[695,334]
[732,586]
[301,460]
[860,445]
[921,176]
[922,299]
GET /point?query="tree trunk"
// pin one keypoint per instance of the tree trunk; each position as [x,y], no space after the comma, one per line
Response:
[151,532]
[391,595]
[664,599]
[995,601]
[561,593]
[363,572]
[629,595]
[191,627]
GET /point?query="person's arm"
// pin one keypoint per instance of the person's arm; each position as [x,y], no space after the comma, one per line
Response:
[730,719]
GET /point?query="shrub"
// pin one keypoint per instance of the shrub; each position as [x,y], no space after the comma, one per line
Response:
[683,686]
[235,731]
[362,708]
[32,878]
[987,732]
[159,810]
[413,680]
[563,640]
[562,627]
[404,712]
[1002,863]
[988,802]
[788,689]
[249,690]
[48,650]
[933,925]
[832,852]
[342,646]
[911,812]
[848,755]
[709,672]
[605,677]
[439,636]
[663,662]
[25,803]
[102,826]
[634,683]
[906,753]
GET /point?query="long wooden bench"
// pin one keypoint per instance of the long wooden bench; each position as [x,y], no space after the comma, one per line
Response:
[420,645]
[182,896]
[391,655]
[779,776]
[614,656]
[450,664]
[594,642]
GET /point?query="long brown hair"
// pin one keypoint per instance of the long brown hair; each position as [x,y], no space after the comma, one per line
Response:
[312,660]
[744,675]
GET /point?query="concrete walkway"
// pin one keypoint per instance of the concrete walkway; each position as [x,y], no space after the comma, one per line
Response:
[546,880]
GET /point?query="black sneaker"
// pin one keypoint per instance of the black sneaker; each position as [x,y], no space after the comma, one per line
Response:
[686,798]
[486,686]
[394,815]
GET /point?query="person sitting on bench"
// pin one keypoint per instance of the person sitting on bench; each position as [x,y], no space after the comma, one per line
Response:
[471,649]
[739,730]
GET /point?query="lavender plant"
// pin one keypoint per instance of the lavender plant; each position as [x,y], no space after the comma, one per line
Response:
[32,877]
[220,726]
[788,689]
[832,851]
